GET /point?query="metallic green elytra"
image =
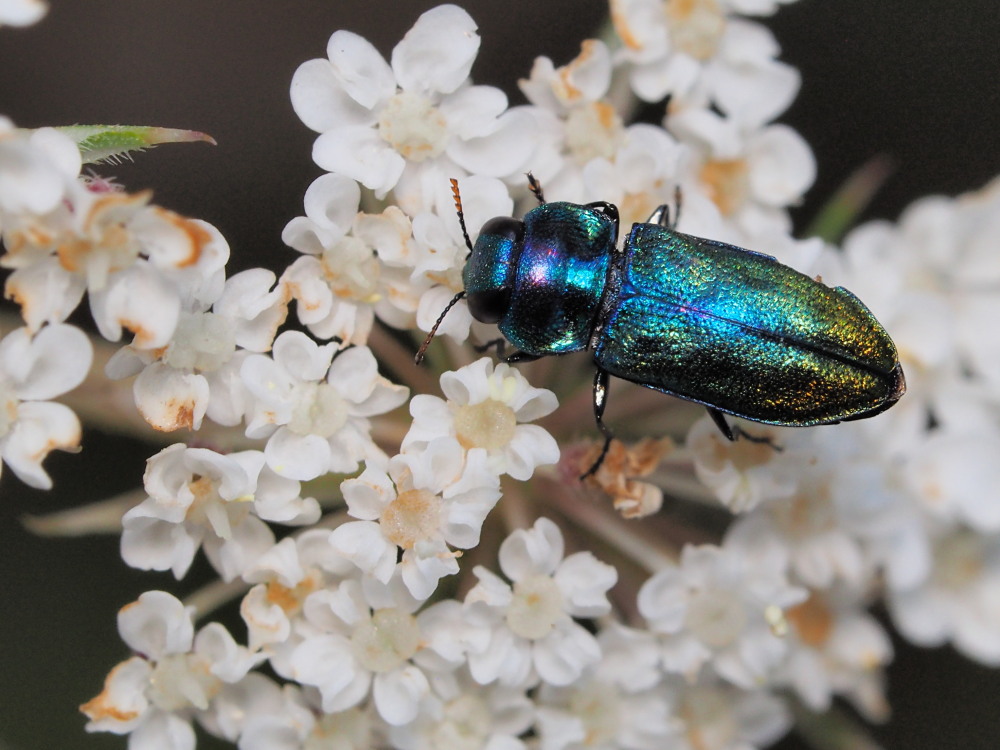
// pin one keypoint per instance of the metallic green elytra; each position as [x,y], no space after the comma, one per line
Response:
[708,322]
[742,333]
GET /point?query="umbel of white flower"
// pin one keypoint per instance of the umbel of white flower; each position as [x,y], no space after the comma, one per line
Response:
[443,579]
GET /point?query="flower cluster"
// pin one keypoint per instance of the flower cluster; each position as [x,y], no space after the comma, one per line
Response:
[422,598]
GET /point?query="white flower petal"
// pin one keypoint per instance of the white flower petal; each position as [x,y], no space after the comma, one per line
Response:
[754,95]
[531,447]
[122,704]
[163,731]
[233,556]
[584,582]
[320,100]
[436,55]
[503,152]
[332,201]
[45,292]
[301,358]
[359,153]
[301,457]
[528,552]
[397,694]
[156,625]
[150,543]
[363,543]
[41,427]
[473,111]
[782,166]
[368,495]
[360,69]
[22,12]
[229,661]
[170,399]
[563,655]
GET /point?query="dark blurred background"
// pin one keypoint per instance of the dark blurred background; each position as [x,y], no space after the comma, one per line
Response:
[916,81]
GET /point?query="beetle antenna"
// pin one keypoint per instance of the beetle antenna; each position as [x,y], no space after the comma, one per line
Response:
[461,221]
[454,300]
[536,187]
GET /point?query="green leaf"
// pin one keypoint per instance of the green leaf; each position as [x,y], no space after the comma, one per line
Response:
[841,212]
[112,143]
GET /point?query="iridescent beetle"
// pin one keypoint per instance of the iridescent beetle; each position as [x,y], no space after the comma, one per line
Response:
[707,322]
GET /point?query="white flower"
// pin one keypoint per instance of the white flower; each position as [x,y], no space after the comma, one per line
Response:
[721,717]
[954,476]
[175,675]
[485,408]
[845,519]
[236,705]
[752,175]
[362,637]
[22,12]
[700,55]
[34,369]
[378,120]
[714,608]
[836,648]
[640,175]
[589,126]
[932,280]
[314,413]
[525,631]
[38,169]
[593,714]
[285,576]
[294,722]
[197,496]
[337,281]
[958,601]
[459,713]
[141,265]
[426,501]
[744,473]
[620,703]
[197,372]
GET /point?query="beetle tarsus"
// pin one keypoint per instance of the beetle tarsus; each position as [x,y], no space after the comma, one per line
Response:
[499,345]
[735,432]
[721,423]
[760,439]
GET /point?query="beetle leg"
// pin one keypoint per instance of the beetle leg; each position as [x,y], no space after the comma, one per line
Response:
[660,216]
[521,357]
[609,209]
[500,346]
[764,439]
[600,401]
[536,188]
[721,423]
[734,432]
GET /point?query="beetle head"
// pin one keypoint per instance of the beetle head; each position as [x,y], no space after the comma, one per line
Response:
[489,271]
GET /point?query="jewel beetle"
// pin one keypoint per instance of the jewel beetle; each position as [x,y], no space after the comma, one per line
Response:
[728,328]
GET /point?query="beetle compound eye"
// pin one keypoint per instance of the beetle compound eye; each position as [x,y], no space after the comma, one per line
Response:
[489,307]
[503,227]
[490,270]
